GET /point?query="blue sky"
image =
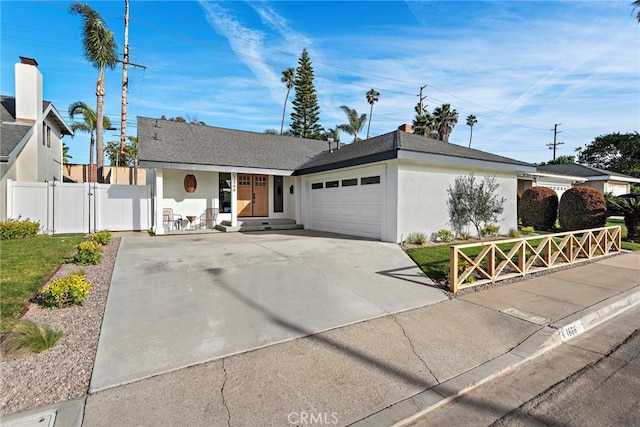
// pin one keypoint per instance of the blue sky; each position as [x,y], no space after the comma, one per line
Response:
[520,67]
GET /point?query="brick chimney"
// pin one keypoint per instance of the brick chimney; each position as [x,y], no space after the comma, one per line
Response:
[405,127]
[28,91]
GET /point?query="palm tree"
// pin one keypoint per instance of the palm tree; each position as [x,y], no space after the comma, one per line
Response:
[333,135]
[446,119]
[372,97]
[89,124]
[287,79]
[636,5]
[356,123]
[100,50]
[630,208]
[471,120]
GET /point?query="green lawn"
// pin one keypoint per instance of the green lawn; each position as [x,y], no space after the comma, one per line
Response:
[25,264]
[433,259]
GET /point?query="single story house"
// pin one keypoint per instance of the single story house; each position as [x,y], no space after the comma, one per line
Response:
[602,180]
[31,133]
[382,188]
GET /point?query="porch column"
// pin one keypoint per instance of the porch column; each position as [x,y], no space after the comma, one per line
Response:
[158,226]
[234,199]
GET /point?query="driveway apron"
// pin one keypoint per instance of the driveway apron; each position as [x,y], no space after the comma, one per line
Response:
[177,301]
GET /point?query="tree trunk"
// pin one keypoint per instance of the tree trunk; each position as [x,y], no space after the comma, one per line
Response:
[284,109]
[370,114]
[632,221]
[99,126]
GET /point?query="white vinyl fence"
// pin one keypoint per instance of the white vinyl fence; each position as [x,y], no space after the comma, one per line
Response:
[80,208]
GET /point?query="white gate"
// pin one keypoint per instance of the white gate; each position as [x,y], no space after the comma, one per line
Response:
[80,208]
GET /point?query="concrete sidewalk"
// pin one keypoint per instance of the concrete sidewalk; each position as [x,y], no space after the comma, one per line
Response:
[378,371]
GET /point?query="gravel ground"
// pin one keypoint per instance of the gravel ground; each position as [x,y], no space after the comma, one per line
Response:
[64,371]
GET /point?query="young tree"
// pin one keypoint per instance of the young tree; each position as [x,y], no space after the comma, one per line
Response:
[615,152]
[355,122]
[287,79]
[372,98]
[474,202]
[100,50]
[471,120]
[305,115]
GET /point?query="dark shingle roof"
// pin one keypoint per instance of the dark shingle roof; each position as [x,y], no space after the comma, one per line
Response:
[575,169]
[166,141]
[12,133]
[386,146]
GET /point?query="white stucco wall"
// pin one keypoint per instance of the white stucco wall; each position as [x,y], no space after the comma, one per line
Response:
[175,197]
[422,197]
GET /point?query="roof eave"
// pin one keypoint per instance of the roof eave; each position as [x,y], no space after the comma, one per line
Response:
[372,158]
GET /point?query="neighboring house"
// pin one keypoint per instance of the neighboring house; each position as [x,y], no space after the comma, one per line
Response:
[600,179]
[31,133]
[382,188]
[557,182]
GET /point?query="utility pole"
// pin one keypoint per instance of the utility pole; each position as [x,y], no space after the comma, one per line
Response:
[420,108]
[555,139]
[125,86]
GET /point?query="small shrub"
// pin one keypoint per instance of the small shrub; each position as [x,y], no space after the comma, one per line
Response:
[30,337]
[491,230]
[513,232]
[65,291]
[527,230]
[582,208]
[103,238]
[416,238]
[16,229]
[462,267]
[539,208]
[465,235]
[444,235]
[89,253]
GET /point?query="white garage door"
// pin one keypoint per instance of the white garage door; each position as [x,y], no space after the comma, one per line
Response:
[349,205]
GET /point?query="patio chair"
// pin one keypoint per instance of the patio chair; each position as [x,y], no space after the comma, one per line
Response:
[208,218]
[170,220]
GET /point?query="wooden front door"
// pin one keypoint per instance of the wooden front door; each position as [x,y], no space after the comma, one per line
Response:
[253,195]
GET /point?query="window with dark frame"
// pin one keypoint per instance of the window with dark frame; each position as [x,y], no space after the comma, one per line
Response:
[278,194]
[332,184]
[349,182]
[48,136]
[370,180]
[224,192]
[317,186]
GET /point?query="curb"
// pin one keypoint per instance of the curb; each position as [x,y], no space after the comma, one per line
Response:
[411,409]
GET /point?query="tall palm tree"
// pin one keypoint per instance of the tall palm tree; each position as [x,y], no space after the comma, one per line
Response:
[471,120]
[446,119]
[287,79]
[100,50]
[372,97]
[89,124]
[636,5]
[356,123]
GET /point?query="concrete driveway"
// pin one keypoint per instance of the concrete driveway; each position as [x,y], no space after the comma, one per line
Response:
[177,301]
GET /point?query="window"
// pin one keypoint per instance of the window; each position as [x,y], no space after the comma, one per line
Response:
[48,137]
[332,184]
[260,181]
[244,180]
[349,182]
[224,187]
[317,185]
[370,180]
[278,197]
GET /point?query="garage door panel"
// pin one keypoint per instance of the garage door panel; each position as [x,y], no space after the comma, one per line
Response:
[354,210]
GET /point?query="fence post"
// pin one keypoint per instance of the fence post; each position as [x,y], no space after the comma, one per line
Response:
[453,269]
